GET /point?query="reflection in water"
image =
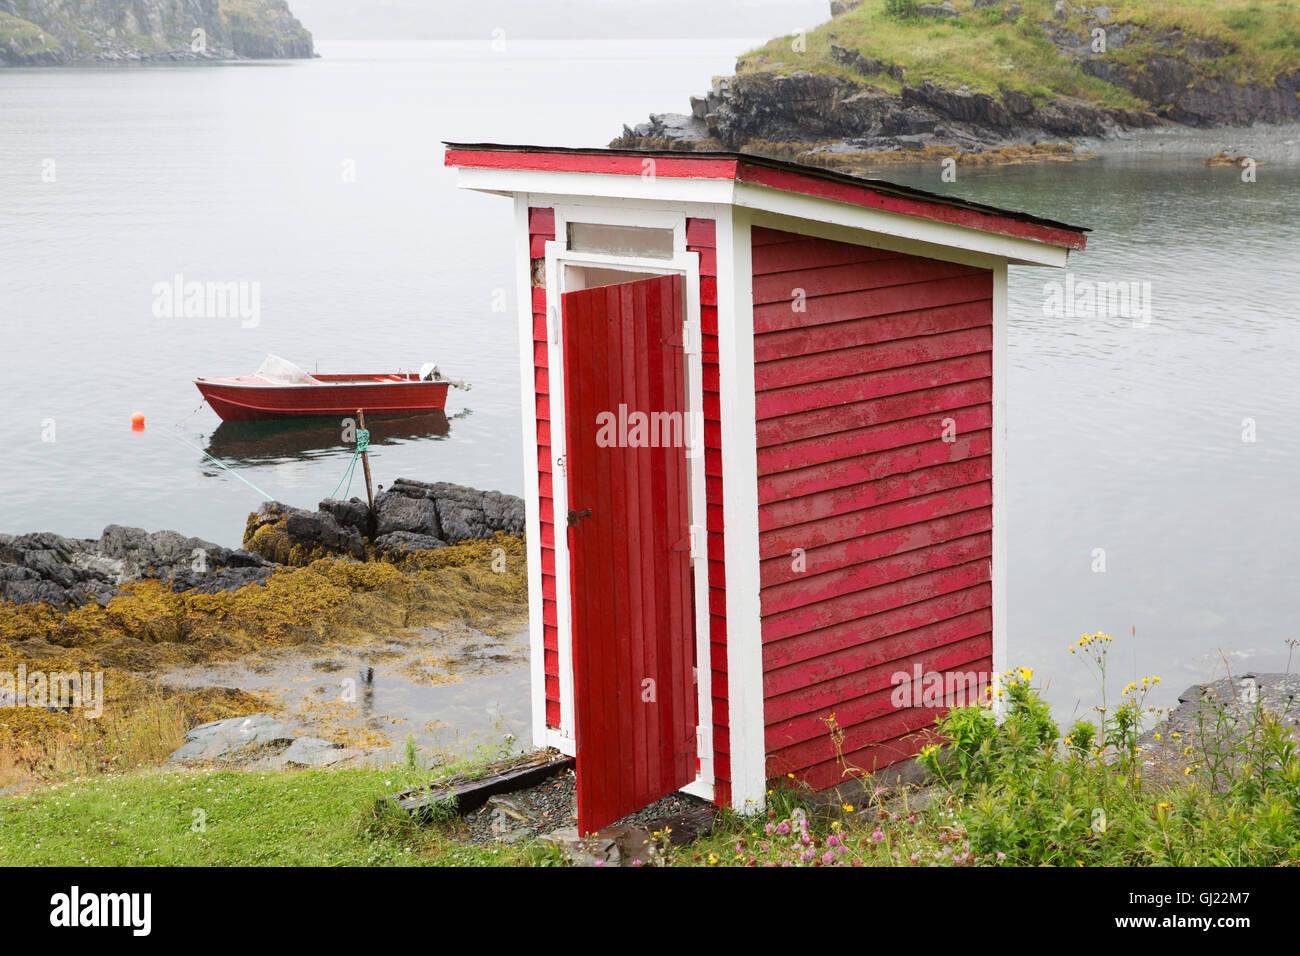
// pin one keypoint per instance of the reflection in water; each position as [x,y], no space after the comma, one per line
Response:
[304,439]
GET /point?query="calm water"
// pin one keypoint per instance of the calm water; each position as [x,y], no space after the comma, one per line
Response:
[1124,438]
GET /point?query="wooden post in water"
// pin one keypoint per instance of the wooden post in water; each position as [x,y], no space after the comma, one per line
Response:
[365,462]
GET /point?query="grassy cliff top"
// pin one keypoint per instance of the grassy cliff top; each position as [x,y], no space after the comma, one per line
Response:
[1244,41]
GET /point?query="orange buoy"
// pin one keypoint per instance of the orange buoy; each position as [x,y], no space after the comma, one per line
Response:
[137,422]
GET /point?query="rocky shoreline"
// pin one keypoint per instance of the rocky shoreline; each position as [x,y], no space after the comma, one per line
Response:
[833,115]
[411,516]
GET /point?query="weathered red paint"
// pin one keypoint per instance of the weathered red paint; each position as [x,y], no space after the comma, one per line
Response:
[541,227]
[621,164]
[875,532]
[628,527]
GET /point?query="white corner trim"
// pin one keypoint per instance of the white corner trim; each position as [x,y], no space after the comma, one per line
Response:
[998,570]
[740,510]
[532,519]
[940,235]
[873,240]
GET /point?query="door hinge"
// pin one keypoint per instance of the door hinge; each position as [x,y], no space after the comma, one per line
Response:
[692,541]
[689,345]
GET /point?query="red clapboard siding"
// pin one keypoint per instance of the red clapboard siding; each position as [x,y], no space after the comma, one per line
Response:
[701,237]
[541,227]
[873,381]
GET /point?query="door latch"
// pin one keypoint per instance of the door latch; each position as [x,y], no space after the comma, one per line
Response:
[576,516]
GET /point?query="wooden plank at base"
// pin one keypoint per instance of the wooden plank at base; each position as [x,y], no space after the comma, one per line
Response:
[466,793]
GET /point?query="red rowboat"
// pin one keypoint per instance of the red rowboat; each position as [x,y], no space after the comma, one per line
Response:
[280,389]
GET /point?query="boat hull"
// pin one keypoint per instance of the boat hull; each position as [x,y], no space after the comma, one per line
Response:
[236,401]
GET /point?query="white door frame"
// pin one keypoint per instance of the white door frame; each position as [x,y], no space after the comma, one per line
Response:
[558,259]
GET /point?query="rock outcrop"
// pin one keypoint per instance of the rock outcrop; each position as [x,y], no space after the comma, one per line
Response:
[1173,80]
[257,741]
[54,32]
[409,516]
[821,108]
[68,572]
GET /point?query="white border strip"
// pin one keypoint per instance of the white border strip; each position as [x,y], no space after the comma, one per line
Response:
[998,571]
[740,510]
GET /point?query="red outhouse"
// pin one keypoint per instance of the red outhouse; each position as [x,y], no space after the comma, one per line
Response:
[765,458]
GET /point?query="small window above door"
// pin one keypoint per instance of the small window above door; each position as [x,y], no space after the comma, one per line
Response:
[642,242]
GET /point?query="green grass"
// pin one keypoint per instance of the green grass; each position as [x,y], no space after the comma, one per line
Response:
[989,55]
[291,818]
[24,36]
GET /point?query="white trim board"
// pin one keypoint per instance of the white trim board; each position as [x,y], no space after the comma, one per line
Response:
[998,569]
[740,511]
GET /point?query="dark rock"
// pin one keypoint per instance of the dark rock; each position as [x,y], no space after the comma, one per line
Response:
[408,541]
[69,572]
[353,513]
[399,512]
[321,528]
[815,108]
[1018,103]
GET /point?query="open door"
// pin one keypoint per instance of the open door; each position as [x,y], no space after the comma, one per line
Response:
[629,546]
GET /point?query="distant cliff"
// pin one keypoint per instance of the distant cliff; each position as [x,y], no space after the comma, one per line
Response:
[897,78]
[55,32]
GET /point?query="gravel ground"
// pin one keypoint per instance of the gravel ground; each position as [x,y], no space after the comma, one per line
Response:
[552,805]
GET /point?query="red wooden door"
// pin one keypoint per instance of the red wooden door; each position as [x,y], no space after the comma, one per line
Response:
[629,553]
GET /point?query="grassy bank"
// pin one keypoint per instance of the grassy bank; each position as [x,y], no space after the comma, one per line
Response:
[232,818]
[990,54]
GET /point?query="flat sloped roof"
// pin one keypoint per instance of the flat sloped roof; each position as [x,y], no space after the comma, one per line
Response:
[773,173]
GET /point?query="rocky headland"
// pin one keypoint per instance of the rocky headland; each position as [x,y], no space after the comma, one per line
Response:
[63,32]
[886,80]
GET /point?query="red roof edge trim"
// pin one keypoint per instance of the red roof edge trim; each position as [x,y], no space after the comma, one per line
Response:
[918,208]
[616,163]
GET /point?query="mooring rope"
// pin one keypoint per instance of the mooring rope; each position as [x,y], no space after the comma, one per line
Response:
[220,463]
[190,415]
[363,442]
